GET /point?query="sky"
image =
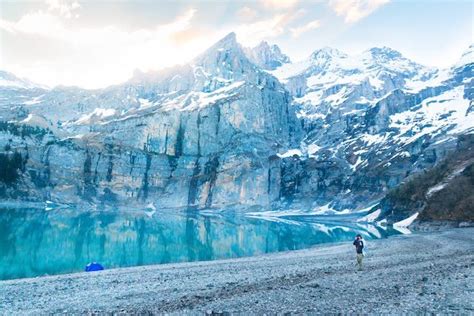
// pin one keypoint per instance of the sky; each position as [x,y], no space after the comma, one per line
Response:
[96,43]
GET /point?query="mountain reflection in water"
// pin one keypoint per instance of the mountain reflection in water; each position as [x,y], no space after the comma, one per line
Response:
[35,242]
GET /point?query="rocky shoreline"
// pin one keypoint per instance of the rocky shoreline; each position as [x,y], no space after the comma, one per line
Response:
[429,272]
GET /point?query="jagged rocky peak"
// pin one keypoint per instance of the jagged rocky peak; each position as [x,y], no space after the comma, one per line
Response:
[267,56]
[228,41]
[384,52]
[216,67]
[226,62]
[225,59]
[227,44]
[326,53]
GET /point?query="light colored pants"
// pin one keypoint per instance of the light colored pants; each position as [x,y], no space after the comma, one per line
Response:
[360,256]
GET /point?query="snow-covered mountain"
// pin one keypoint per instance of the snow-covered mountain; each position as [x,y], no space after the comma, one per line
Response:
[238,127]
[373,119]
[373,73]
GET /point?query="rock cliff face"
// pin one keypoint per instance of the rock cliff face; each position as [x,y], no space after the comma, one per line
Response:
[236,127]
[202,135]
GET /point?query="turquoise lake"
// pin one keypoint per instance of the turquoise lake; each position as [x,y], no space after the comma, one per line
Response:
[36,242]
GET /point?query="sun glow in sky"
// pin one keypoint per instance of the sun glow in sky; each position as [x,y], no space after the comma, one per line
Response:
[94,44]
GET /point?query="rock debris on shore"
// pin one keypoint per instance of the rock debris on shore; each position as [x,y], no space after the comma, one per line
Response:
[420,273]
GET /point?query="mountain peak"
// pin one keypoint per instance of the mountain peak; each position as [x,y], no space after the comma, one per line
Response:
[225,59]
[384,51]
[267,56]
[228,41]
[263,45]
[327,53]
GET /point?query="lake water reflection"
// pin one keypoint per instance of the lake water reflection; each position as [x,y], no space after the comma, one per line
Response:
[35,242]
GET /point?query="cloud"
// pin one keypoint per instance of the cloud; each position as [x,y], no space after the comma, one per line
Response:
[247,14]
[355,10]
[64,8]
[279,4]
[253,33]
[96,57]
[37,23]
[297,31]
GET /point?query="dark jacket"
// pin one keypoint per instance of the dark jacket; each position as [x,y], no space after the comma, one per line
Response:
[359,244]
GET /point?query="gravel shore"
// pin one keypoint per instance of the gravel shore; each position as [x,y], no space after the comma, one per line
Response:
[420,273]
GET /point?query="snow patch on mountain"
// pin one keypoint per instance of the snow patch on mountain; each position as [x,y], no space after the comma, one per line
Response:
[445,111]
[291,153]
[466,58]
[417,84]
[34,100]
[95,115]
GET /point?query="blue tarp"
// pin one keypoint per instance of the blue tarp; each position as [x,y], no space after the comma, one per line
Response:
[94,266]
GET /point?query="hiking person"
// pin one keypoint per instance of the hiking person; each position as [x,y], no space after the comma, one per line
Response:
[359,245]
